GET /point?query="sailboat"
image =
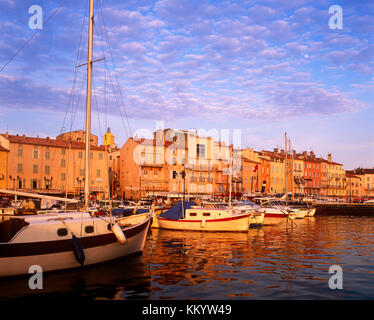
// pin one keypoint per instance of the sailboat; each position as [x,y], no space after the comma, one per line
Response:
[70,239]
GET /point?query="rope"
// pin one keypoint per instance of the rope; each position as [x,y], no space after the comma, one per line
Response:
[32,36]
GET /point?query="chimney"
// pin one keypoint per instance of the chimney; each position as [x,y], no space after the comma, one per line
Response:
[6,135]
[275,150]
[329,157]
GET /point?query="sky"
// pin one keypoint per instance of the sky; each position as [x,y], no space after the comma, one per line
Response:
[262,67]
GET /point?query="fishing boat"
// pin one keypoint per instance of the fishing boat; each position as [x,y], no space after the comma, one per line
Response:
[71,239]
[186,215]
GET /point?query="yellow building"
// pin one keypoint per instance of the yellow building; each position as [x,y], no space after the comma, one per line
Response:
[108,139]
[354,186]
[336,180]
[367,181]
[54,165]
[277,168]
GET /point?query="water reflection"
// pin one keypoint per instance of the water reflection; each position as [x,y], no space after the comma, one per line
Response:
[290,261]
[125,278]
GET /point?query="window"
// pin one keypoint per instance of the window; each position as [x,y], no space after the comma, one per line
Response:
[89,229]
[47,155]
[80,154]
[155,172]
[63,163]
[20,152]
[62,232]
[91,155]
[98,173]
[200,150]
[100,156]
[206,214]
[19,167]
[63,176]
[35,168]
[36,154]
[145,172]
[81,172]
[193,214]
[63,151]
[46,169]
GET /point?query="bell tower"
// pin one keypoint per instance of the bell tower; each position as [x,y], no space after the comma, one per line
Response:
[108,139]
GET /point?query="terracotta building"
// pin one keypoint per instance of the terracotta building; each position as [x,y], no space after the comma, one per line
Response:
[3,167]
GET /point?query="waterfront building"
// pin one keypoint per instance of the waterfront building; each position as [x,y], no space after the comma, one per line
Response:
[3,167]
[324,177]
[54,165]
[264,174]
[249,175]
[298,174]
[173,163]
[353,185]
[312,173]
[367,181]
[336,180]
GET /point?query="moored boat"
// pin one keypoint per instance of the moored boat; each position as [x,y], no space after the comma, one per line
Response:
[188,216]
[66,240]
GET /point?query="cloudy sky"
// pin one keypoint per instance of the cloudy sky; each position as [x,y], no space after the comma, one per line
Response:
[264,67]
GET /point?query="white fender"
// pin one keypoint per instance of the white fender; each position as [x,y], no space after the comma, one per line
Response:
[119,233]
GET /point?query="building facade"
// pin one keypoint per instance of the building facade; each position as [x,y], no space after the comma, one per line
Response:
[54,166]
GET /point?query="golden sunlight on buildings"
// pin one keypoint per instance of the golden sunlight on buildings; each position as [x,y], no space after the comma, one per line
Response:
[54,165]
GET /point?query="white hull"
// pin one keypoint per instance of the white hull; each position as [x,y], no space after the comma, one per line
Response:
[16,259]
[66,260]
[311,213]
[274,216]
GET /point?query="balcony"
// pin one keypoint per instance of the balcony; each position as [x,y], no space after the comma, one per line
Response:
[196,167]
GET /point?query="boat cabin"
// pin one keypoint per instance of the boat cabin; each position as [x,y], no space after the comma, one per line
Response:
[206,213]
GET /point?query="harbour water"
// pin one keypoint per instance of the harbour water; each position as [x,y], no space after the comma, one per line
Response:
[281,262]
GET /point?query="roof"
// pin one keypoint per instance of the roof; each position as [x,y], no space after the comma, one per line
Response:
[48,142]
[152,142]
[351,175]
[363,171]
[3,149]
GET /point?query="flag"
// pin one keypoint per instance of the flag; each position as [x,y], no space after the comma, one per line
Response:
[255,168]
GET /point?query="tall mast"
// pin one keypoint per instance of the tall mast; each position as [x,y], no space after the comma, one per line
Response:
[230,177]
[292,165]
[286,164]
[88,105]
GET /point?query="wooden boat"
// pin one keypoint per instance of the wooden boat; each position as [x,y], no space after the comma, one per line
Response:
[195,218]
[48,241]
